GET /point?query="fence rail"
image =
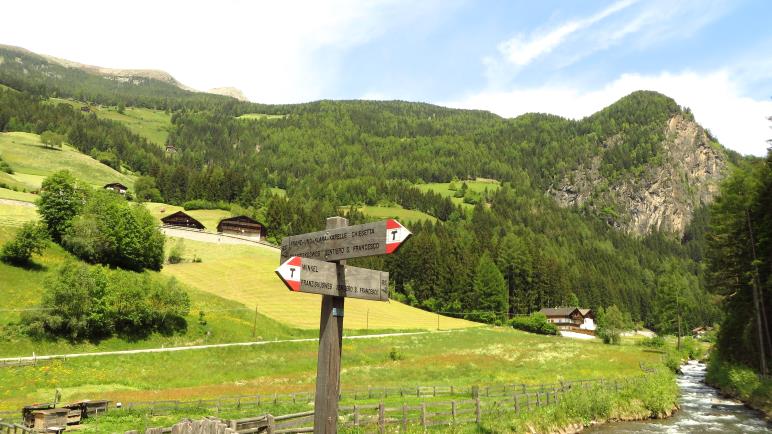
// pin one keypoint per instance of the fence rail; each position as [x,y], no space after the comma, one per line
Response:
[375,393]
[378,417]
[13,428]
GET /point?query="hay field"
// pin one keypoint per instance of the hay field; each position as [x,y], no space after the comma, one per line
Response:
[246,274]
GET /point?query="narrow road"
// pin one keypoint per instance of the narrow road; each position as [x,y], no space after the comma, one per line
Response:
[203,347]
[208,237]
[17,202]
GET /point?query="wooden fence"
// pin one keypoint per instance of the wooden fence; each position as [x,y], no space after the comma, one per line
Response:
[205,426]
[13,428]
[372,393]
[382,416]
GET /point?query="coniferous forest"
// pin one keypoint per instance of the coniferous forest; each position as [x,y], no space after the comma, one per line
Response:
[514,252]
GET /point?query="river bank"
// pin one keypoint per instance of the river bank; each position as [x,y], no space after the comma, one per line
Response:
[702,409]
[741,383]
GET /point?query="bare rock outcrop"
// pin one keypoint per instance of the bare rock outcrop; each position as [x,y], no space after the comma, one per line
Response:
[663,197]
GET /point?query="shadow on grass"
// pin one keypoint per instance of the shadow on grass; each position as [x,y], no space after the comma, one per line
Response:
[27,265]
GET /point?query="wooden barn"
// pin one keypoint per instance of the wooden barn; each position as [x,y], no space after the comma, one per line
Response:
[116,187]
[180,219]
[243,226]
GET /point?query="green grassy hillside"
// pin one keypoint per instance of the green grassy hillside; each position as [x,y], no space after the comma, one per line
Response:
[245,274]
[208,217]
[151,124]
[397,212]
[32,162]
[477,186]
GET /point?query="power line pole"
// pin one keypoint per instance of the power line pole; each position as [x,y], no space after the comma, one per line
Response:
[254,325]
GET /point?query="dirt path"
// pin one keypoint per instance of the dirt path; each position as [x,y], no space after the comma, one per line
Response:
[17,203]
[208,237]
[203,347]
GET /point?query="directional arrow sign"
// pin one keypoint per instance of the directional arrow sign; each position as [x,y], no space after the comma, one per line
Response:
[320,277]
[370,239]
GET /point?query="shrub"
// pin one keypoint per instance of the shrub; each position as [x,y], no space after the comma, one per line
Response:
[5,167]
[535,323]
[114,232]
[206,204]
[93,302]
[61,199]
[31,239]
[395,355]
[177,252]
[653,342]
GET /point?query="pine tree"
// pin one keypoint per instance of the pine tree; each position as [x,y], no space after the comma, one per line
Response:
[490,292]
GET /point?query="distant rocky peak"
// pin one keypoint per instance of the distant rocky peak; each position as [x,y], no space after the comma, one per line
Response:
[686,175]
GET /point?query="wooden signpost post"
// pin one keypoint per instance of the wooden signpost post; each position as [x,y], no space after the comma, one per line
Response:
[304,267]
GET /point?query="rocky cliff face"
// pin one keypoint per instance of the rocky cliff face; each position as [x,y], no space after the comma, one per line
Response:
[664,195]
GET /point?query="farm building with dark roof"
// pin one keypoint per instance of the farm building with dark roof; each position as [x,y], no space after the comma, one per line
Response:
[180,219]
[242,226]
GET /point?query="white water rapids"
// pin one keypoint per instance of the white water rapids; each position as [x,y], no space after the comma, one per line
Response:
[703,410]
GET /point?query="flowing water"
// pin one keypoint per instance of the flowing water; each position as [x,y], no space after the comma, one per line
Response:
[703,410]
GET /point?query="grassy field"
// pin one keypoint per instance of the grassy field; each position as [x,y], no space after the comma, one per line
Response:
[442,188]
[399,213]
[32,162]
[259,116]
[151,124]
[461,358]
[17,195]
[226,320]
[245,274]
[208,217]
[15,215]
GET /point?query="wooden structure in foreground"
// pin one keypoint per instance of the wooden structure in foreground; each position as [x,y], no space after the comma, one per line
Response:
[243,226]
[180,219]
[481,403]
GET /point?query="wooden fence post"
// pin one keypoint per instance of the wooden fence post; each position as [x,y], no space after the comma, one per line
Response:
[538,399]
[453,411]
[356,415]
[404,417]
[423,414]
[271,424]
[517,404]
[477,411]
[475,391]
[381,418]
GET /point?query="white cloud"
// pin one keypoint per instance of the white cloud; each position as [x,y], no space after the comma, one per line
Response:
[522,51]
[637,25]
[276,52]
[739,122]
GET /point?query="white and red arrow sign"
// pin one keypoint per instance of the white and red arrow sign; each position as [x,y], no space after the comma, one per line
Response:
[328,278]
[370,239]
[289,272]
[396,234]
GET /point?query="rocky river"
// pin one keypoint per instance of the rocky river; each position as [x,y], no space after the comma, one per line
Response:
[703,410]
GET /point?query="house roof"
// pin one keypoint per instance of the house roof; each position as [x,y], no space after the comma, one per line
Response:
[559,311]
[239,219]
[584,312]
[116,184]
[179,215]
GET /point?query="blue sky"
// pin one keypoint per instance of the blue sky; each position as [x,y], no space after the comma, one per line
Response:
[510,57]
